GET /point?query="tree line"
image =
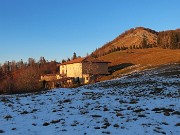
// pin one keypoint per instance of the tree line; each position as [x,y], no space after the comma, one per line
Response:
[19,77]
[22,77]
[169,39]
[144,44]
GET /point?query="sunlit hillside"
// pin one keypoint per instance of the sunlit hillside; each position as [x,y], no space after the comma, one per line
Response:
[151,56]
[130,38]
[123,62]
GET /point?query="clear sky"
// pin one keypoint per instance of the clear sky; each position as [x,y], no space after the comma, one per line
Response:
[57,28]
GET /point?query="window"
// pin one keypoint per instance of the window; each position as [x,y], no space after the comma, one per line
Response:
[87,78]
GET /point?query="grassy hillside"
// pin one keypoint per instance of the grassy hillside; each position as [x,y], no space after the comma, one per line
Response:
[125,62]
[133,37]
[152,56]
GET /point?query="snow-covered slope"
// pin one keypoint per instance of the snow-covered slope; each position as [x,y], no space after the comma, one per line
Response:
[142,103]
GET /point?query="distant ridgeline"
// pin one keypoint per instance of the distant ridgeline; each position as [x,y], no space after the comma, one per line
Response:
[140,38]
[169,39]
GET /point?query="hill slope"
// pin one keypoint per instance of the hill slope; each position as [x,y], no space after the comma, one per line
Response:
[139,59]
[130,38]
[150,56]
[129,105]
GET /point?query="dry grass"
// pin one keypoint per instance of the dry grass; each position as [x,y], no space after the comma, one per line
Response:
[130,38]
[141,59]
[151,56]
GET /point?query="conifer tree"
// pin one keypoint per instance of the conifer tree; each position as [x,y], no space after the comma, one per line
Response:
[74,56]
[144,43]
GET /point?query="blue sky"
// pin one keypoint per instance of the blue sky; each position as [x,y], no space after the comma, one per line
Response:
[57,28]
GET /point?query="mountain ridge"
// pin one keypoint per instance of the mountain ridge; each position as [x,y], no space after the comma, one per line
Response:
[140,38]
[131,38]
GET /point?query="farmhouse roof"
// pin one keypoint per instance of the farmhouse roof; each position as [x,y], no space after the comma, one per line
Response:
[85,59]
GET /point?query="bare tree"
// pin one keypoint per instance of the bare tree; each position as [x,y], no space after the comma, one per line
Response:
[27,81]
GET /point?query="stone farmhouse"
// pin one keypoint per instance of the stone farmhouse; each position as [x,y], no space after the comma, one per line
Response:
[84,70]
[78,71]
